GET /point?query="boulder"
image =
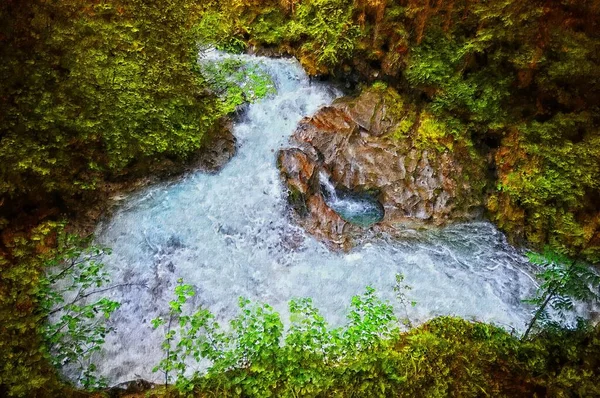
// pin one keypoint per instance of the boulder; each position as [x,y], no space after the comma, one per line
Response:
[355,141]
[297,169]
[300,174]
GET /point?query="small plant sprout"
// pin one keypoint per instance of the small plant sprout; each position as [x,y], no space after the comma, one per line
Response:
[400,288]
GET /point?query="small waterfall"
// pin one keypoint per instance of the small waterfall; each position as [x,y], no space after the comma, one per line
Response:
[327,186]
[228,235]
[356,208]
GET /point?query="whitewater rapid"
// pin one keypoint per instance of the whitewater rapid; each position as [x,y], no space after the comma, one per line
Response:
[229,235]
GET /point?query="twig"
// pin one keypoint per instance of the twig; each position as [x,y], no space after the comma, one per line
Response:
[78,297]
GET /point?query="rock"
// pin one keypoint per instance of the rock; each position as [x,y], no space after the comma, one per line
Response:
[219,150]
[371,112]
[418,184]
[324,222]
[297,169]
[129,388]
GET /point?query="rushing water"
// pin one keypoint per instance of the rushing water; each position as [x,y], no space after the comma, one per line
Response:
[228,234]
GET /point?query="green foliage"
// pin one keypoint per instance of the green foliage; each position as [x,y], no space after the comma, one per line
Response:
[236,82]
[369,357]
[325,31]
[90,88]
[563,281]
[269,27]
[215,31]
[76,325]
[440,64]
[432,133]
[550,171]
[52,315]
[330,30]
[252,357]
[23,366]
[570,360]
[400,289]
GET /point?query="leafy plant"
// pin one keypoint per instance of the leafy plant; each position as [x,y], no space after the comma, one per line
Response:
[77,323]
[256,344]
[196,336]
[331,31]
[368,357]
[563,281]
[95,88]
[400,288]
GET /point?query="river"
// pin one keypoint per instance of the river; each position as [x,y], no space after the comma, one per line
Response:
[229,234]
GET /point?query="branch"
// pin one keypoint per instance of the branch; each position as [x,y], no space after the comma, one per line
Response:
[539,311]
[75,262]
[78,297]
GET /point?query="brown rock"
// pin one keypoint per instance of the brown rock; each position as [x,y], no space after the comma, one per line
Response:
[351,140]
[297,169]
[324,221]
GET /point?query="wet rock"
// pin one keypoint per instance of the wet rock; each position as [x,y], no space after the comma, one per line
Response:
[371,112]
[297,169]
[218,151]
[353,141]
[324,222]
[299,172]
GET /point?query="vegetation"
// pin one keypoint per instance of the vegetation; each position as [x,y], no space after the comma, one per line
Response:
[90,91]
[76,324]
[369,356]
[53,313]
[517,80]
[563,281]
[235,83]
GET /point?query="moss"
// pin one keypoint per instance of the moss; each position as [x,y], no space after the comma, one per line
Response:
[432,134]
[549,183]
[297,201]
[405,126]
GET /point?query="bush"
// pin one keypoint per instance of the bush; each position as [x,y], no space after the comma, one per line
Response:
[369,356]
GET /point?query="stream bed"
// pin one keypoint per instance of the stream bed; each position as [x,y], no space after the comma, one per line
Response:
[229,234]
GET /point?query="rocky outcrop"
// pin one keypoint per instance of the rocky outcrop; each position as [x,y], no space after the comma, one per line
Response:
[375,143]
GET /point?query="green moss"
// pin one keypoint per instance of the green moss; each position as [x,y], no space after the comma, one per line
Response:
[432,134]
[404,127]
[297,200]
[380,86]
[549,171]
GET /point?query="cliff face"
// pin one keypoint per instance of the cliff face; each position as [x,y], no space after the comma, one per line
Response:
[373,143]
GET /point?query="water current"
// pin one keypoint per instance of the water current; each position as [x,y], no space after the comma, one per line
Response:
[229,235]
